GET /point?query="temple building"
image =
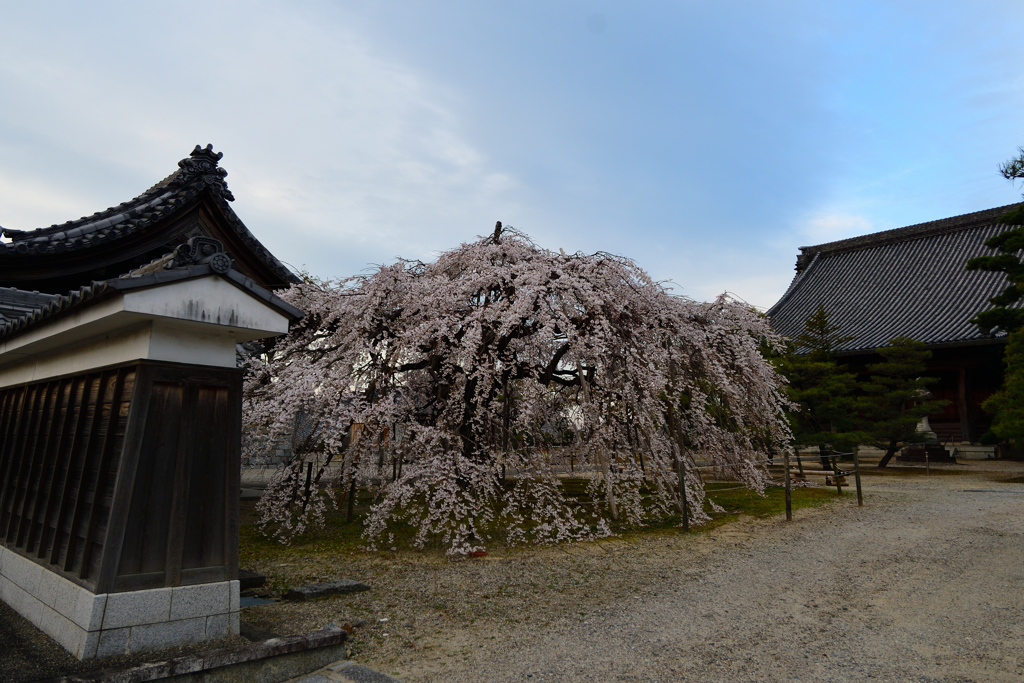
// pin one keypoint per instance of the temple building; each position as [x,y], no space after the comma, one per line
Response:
[121,414]
[191,202]
[911,282]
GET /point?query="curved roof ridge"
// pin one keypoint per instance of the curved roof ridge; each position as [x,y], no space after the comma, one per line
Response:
[197,172]
[793,285]
[965,221]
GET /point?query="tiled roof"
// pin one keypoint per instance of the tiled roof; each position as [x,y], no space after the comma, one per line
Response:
[59,305]
[931,228]
[906,282]
[15,303]
[196,173]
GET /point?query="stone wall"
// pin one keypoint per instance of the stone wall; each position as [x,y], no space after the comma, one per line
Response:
[90,625]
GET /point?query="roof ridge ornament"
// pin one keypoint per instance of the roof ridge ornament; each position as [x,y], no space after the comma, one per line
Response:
[201,169]
[200,250]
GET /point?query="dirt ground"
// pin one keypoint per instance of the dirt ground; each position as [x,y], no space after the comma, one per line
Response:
[922,584]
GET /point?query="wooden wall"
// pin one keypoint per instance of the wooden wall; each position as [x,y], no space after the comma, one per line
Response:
[125,477]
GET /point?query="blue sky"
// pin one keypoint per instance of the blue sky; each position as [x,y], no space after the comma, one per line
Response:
[706,140]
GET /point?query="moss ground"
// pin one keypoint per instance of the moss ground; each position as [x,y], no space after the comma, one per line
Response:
[339,537]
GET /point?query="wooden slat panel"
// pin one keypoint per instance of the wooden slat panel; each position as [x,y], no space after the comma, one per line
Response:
[102,496]
[137,391]
[234,474]
[37,470]
[204,520]
[82,467]
[8,438]
[19,462]
[78,473]
[59,512]
[139,582]
[190,577]
[53,470]
[188,441]
[144,548]
[29,465]
[75,556]
[12,465]
[11,400]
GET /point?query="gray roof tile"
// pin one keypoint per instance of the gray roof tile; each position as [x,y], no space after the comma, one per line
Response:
[906,282]
[198,172]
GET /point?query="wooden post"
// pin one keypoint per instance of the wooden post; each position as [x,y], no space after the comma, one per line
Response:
[927,463]
[682,493]
[835,472]
[800,464]
[961,391]
[352,499]
[789,489]
[309,481]
[856,474]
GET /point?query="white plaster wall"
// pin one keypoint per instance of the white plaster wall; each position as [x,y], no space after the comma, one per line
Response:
[108,349]
[182,342]
[193,321]
[210,300]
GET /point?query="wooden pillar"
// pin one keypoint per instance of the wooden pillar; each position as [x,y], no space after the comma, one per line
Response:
[856,472]
[965,423]
[789,488]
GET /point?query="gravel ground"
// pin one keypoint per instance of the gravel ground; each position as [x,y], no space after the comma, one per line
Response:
[922,584]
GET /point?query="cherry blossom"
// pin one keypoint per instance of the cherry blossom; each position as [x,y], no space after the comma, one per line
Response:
[462,391]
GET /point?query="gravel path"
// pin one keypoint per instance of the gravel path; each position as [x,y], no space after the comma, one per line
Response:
[923,584]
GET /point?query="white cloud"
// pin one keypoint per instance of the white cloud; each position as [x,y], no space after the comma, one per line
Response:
[27,197]
[326,139]
[830,226]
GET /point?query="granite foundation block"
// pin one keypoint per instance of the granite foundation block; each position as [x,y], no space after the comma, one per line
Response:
[89,625]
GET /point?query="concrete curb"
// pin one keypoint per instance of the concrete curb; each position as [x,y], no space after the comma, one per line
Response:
[272,661]
[346,672]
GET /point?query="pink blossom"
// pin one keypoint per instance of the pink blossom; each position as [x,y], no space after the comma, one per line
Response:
[504,357]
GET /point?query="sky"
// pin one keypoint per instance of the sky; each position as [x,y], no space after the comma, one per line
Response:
[705,140]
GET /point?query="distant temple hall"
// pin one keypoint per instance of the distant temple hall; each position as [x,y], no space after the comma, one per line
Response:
[911,282]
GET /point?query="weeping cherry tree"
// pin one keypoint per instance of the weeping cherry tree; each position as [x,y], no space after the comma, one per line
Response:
[457,391]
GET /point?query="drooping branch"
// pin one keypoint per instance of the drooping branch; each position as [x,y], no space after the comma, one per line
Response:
[428,357]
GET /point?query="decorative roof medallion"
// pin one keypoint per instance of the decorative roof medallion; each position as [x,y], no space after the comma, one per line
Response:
[199,250]
[201,168]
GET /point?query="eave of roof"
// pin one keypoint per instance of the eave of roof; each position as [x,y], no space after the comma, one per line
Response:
[197,173]
[97,291]
[15,303]
[942,226]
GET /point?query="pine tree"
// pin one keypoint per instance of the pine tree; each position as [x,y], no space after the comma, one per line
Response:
[1008,404]
[1005,315]
[821,389]
[896,397]
[820,337]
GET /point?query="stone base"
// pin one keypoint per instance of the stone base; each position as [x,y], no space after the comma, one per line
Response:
[89,625]
[969,452]
[932,453]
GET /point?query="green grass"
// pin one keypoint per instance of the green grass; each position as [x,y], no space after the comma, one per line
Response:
[339,537]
